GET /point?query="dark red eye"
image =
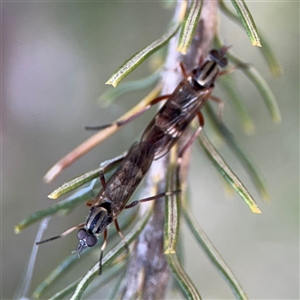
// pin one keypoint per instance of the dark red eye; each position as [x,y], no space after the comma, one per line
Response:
[81,234]
[91,240]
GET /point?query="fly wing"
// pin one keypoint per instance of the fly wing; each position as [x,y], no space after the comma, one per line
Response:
[172,119]
[129,174]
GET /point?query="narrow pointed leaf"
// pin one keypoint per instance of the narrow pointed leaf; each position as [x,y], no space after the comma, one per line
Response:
[66,291]
[270,57]
[97,138]
[226,172]
[58,272]
[182,278]
[139,57]
[212,253]
[109,275]
[86,177]
[227,83]
[172,208]
[266,49]
[259,83]
[124,87]
[251,169]
[69,203]
[265,92]
[189,26]
[171,224]
[247,20]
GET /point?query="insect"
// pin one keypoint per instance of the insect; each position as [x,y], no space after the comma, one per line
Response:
[183,105]
[113,197]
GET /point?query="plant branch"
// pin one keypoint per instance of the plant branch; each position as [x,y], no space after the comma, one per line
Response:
[148,272]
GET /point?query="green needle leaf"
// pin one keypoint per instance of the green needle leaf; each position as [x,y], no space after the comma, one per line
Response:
[247,20]
[254,173]
[189,26]
[228,84]
[111,94]
[79,197]
[259,83]
[185,283]
[139,57]
[266,49]
[212,252]
[172,209]
[86,177]
[226,172]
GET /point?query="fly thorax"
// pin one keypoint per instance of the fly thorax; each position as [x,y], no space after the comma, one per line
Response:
[98,219]
[205,76]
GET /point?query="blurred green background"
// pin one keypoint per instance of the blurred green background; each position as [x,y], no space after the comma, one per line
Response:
[56,58]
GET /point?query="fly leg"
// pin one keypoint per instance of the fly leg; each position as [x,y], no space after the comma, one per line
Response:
[105,238]
[183,70]
[136,202]
[103,182]
[220,106]
[121,234]
[192,138]
[123,122]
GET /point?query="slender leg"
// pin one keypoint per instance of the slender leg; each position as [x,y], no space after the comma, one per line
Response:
[129,119]
[136,202]
[231,69]
[105,238]
[220,106]
[65,233]
[102,178]
[121,234]
[183,70]
[193,137]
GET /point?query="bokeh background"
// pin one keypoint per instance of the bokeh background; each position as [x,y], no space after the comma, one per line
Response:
[56,58]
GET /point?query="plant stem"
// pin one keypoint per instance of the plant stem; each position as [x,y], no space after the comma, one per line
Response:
[148,272]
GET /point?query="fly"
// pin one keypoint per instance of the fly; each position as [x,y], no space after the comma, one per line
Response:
[113,197]
[185,104]
[182,106]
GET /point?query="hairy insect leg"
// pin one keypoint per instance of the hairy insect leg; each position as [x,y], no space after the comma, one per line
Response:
[103,182]
[65,233]
[220,106]
[129,119]
[102,178]
[136,202]
[105,238]
[121,234]
[192,138]
[183,70]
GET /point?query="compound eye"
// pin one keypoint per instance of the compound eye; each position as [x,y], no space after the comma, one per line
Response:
[91,240]
[81,234]
[214,54]
[223,62]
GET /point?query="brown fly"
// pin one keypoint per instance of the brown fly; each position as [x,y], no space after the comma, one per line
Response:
[113,197]
[183,105]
